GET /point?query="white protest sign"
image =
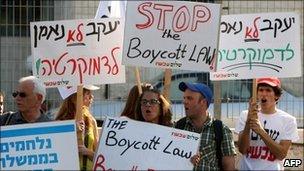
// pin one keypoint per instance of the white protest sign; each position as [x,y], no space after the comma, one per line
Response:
[259,45]
[171,34]
[40,146]
[74,52]
[127,144]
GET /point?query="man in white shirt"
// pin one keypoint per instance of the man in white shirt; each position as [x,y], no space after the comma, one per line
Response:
[265,133]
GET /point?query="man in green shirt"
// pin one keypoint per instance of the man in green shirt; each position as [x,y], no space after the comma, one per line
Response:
[197,98]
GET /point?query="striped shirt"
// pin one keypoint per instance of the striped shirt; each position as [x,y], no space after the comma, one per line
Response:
[208,145]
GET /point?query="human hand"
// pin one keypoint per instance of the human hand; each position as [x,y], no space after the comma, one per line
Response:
[83,150]
[255,125]
[252,110]
[80,125]
[195,159]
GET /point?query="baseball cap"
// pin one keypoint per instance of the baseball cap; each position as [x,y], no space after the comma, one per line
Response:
[65,92]
[198,87]
[272,81]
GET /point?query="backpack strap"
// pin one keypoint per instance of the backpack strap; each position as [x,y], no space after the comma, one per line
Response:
[8,118]
[218,130]
[180,124]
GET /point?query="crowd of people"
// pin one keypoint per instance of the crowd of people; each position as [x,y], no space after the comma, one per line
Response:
[262,126]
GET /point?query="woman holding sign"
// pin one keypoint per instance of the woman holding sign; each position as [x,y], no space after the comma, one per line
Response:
[153,107]
[88,126]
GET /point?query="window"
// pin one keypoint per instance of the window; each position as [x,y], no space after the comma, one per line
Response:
[16,15]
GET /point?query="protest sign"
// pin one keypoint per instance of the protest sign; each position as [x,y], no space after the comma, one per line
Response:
[259,45]
[39,146]
[74,52]
[171,34]
[127,144]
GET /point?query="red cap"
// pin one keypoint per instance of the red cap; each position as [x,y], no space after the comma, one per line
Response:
[272,81]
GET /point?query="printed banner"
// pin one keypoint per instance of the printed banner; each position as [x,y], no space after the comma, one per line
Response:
[127,144]
[259,45]
[171,34]
[40,146]
[74,52]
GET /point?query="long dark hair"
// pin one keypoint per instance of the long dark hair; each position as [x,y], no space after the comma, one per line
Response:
[129,110]
[165,117]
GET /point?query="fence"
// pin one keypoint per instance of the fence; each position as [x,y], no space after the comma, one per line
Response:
[16,54]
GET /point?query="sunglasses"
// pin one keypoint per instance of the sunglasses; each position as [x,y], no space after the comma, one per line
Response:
[145,102]
[21,94]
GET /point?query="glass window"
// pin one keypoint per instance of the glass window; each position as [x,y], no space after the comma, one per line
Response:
[10,13]
[30,2]
[17,15]
[23,30]
[17,2]
[23,15]
[37,2]
[10,30]
[17,31]
[2,30]
[3,15]
[3,2]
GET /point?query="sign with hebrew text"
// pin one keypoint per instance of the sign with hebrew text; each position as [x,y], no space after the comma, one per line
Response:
[127,144]
[259,45]
[171,34]
[39,146]
[74,52]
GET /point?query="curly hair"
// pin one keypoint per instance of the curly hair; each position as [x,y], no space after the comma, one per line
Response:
[165,115]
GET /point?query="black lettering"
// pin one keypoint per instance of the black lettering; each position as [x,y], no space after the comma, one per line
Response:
[109,136]
[165,150]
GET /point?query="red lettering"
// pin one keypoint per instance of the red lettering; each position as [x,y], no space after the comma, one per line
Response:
[99,164]
[81,71]
[200,14]
[70,36]
[181,17]
[79,35]
[182,11]
[141,9]
[56,65]
[255,34]
[162,14]
[115,68]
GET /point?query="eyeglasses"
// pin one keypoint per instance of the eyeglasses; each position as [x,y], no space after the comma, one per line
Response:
[145,102]
[21,94]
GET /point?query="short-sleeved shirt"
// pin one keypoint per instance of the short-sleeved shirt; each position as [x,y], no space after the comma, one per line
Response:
[279,126]
[14,118]
[208,145]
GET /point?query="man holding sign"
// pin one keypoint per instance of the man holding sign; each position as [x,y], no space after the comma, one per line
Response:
[265,133]
[197,98]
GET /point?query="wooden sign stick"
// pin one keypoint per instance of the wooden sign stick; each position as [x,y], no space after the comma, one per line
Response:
[78,117]
[167,84]
[137,76]
[254,93]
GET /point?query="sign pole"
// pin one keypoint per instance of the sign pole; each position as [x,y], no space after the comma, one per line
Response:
[78,116]
[137,75]
[167,84]
[254,93]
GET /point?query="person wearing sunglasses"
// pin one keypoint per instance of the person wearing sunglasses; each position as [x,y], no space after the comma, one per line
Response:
[153,107]
[29,96]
